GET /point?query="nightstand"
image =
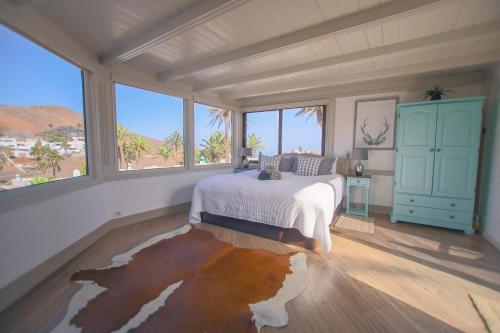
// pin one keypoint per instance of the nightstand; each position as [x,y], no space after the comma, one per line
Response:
[238,170]
[364,183]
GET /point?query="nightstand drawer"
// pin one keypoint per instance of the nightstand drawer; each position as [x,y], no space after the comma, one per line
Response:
[451,217]
[434,202]
[358,181]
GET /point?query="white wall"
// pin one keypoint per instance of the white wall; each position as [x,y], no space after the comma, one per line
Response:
[490,184]
[381,190]
[32,234]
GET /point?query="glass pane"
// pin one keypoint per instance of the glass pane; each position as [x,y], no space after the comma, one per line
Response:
[262,132]
[42,122]
[212,134]
[308,122]
[149,129]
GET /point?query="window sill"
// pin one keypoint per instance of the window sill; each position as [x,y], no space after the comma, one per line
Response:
[132,174]
[29,195]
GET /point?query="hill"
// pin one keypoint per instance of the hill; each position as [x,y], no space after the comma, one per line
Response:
[27,121]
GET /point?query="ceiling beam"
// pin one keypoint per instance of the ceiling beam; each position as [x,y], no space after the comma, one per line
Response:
[402,48]
[452,63]
[320,31]
[199,13]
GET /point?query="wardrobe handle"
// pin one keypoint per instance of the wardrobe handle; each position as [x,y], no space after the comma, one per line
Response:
[438,150]
[453,205]
[432,149]
[411,211]
[411,200]
[452,217]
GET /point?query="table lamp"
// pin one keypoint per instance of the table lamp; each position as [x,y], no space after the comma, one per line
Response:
[245,152]
[359,154]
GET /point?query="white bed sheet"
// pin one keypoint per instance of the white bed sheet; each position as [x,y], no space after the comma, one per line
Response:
[306,203]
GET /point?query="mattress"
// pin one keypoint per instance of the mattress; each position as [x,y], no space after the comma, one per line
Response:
[306,203]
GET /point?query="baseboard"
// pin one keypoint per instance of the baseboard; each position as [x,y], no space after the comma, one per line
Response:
[22,285]
[377,209]
[492,241]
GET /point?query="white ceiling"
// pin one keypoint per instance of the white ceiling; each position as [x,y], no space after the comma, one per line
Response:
[245,48]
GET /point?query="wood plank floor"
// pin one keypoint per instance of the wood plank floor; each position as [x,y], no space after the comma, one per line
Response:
[405,278]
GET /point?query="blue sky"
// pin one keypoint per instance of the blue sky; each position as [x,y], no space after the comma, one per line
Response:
[31,75]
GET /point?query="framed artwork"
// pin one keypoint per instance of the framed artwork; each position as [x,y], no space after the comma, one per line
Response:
[375,123]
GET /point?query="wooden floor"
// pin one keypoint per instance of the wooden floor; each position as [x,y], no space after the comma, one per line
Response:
[405,278]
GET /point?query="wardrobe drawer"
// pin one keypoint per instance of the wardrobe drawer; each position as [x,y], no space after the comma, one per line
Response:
[434,202]
[452,217]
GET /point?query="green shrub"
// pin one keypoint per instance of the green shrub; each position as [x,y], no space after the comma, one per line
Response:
[41,180]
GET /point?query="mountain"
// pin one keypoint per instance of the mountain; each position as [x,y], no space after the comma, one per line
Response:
[28,121]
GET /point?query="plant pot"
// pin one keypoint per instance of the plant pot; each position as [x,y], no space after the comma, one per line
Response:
[435,97]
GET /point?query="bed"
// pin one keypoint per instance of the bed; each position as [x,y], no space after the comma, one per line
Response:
[304,203]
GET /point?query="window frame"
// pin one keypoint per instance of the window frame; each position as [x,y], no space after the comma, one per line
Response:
[280,125]
[233,137]
[21,196]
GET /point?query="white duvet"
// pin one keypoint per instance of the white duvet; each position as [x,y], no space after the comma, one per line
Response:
[306,203]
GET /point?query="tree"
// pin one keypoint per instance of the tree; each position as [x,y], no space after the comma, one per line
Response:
[122,134]
[221,117]
[65,145]
[83,168]
[39,153]
[175,140]
[1,164]
[312,111]
[129,152]
[165,151]
[213,147]
[254,142]
[8,152]
[140,145]
[53,161]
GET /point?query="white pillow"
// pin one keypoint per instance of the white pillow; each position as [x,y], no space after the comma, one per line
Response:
[308,166]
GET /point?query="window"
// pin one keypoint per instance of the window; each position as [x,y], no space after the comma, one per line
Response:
[298,130]
[149,129]
[308,122]
[262,132]
[212,134]
[42,115]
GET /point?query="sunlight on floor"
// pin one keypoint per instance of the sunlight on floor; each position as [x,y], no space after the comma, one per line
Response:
[414,283]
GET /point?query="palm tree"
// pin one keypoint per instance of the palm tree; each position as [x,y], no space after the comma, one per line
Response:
[175,140]
[140,145]
[53,160]
[254,142]
[213,147]
[165,151]
[65,145]
[312,111]
[122,134]
[219,117]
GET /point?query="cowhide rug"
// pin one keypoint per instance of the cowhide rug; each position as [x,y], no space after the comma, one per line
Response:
[186,281]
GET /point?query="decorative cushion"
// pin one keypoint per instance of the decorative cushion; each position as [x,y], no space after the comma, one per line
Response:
[308,166]
[325,167]
[286,164]
[266,160]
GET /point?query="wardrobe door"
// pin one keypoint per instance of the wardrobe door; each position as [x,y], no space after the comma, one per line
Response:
[415,148]
[457,149]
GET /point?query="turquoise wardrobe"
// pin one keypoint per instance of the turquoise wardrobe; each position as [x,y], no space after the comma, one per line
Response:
[437,151]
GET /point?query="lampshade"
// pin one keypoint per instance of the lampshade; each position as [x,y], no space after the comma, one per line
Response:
[359,154]
[246,152]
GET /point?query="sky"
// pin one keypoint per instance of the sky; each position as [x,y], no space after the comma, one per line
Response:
[31,75]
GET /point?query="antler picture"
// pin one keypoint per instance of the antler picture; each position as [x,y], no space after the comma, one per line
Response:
[374,124]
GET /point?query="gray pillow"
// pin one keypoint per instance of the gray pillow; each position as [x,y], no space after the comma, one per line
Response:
[325,167]
[287,163]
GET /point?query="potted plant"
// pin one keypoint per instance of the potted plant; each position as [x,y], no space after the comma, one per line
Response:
[436,93]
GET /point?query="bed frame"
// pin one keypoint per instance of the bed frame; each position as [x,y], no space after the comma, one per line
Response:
[284,235]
